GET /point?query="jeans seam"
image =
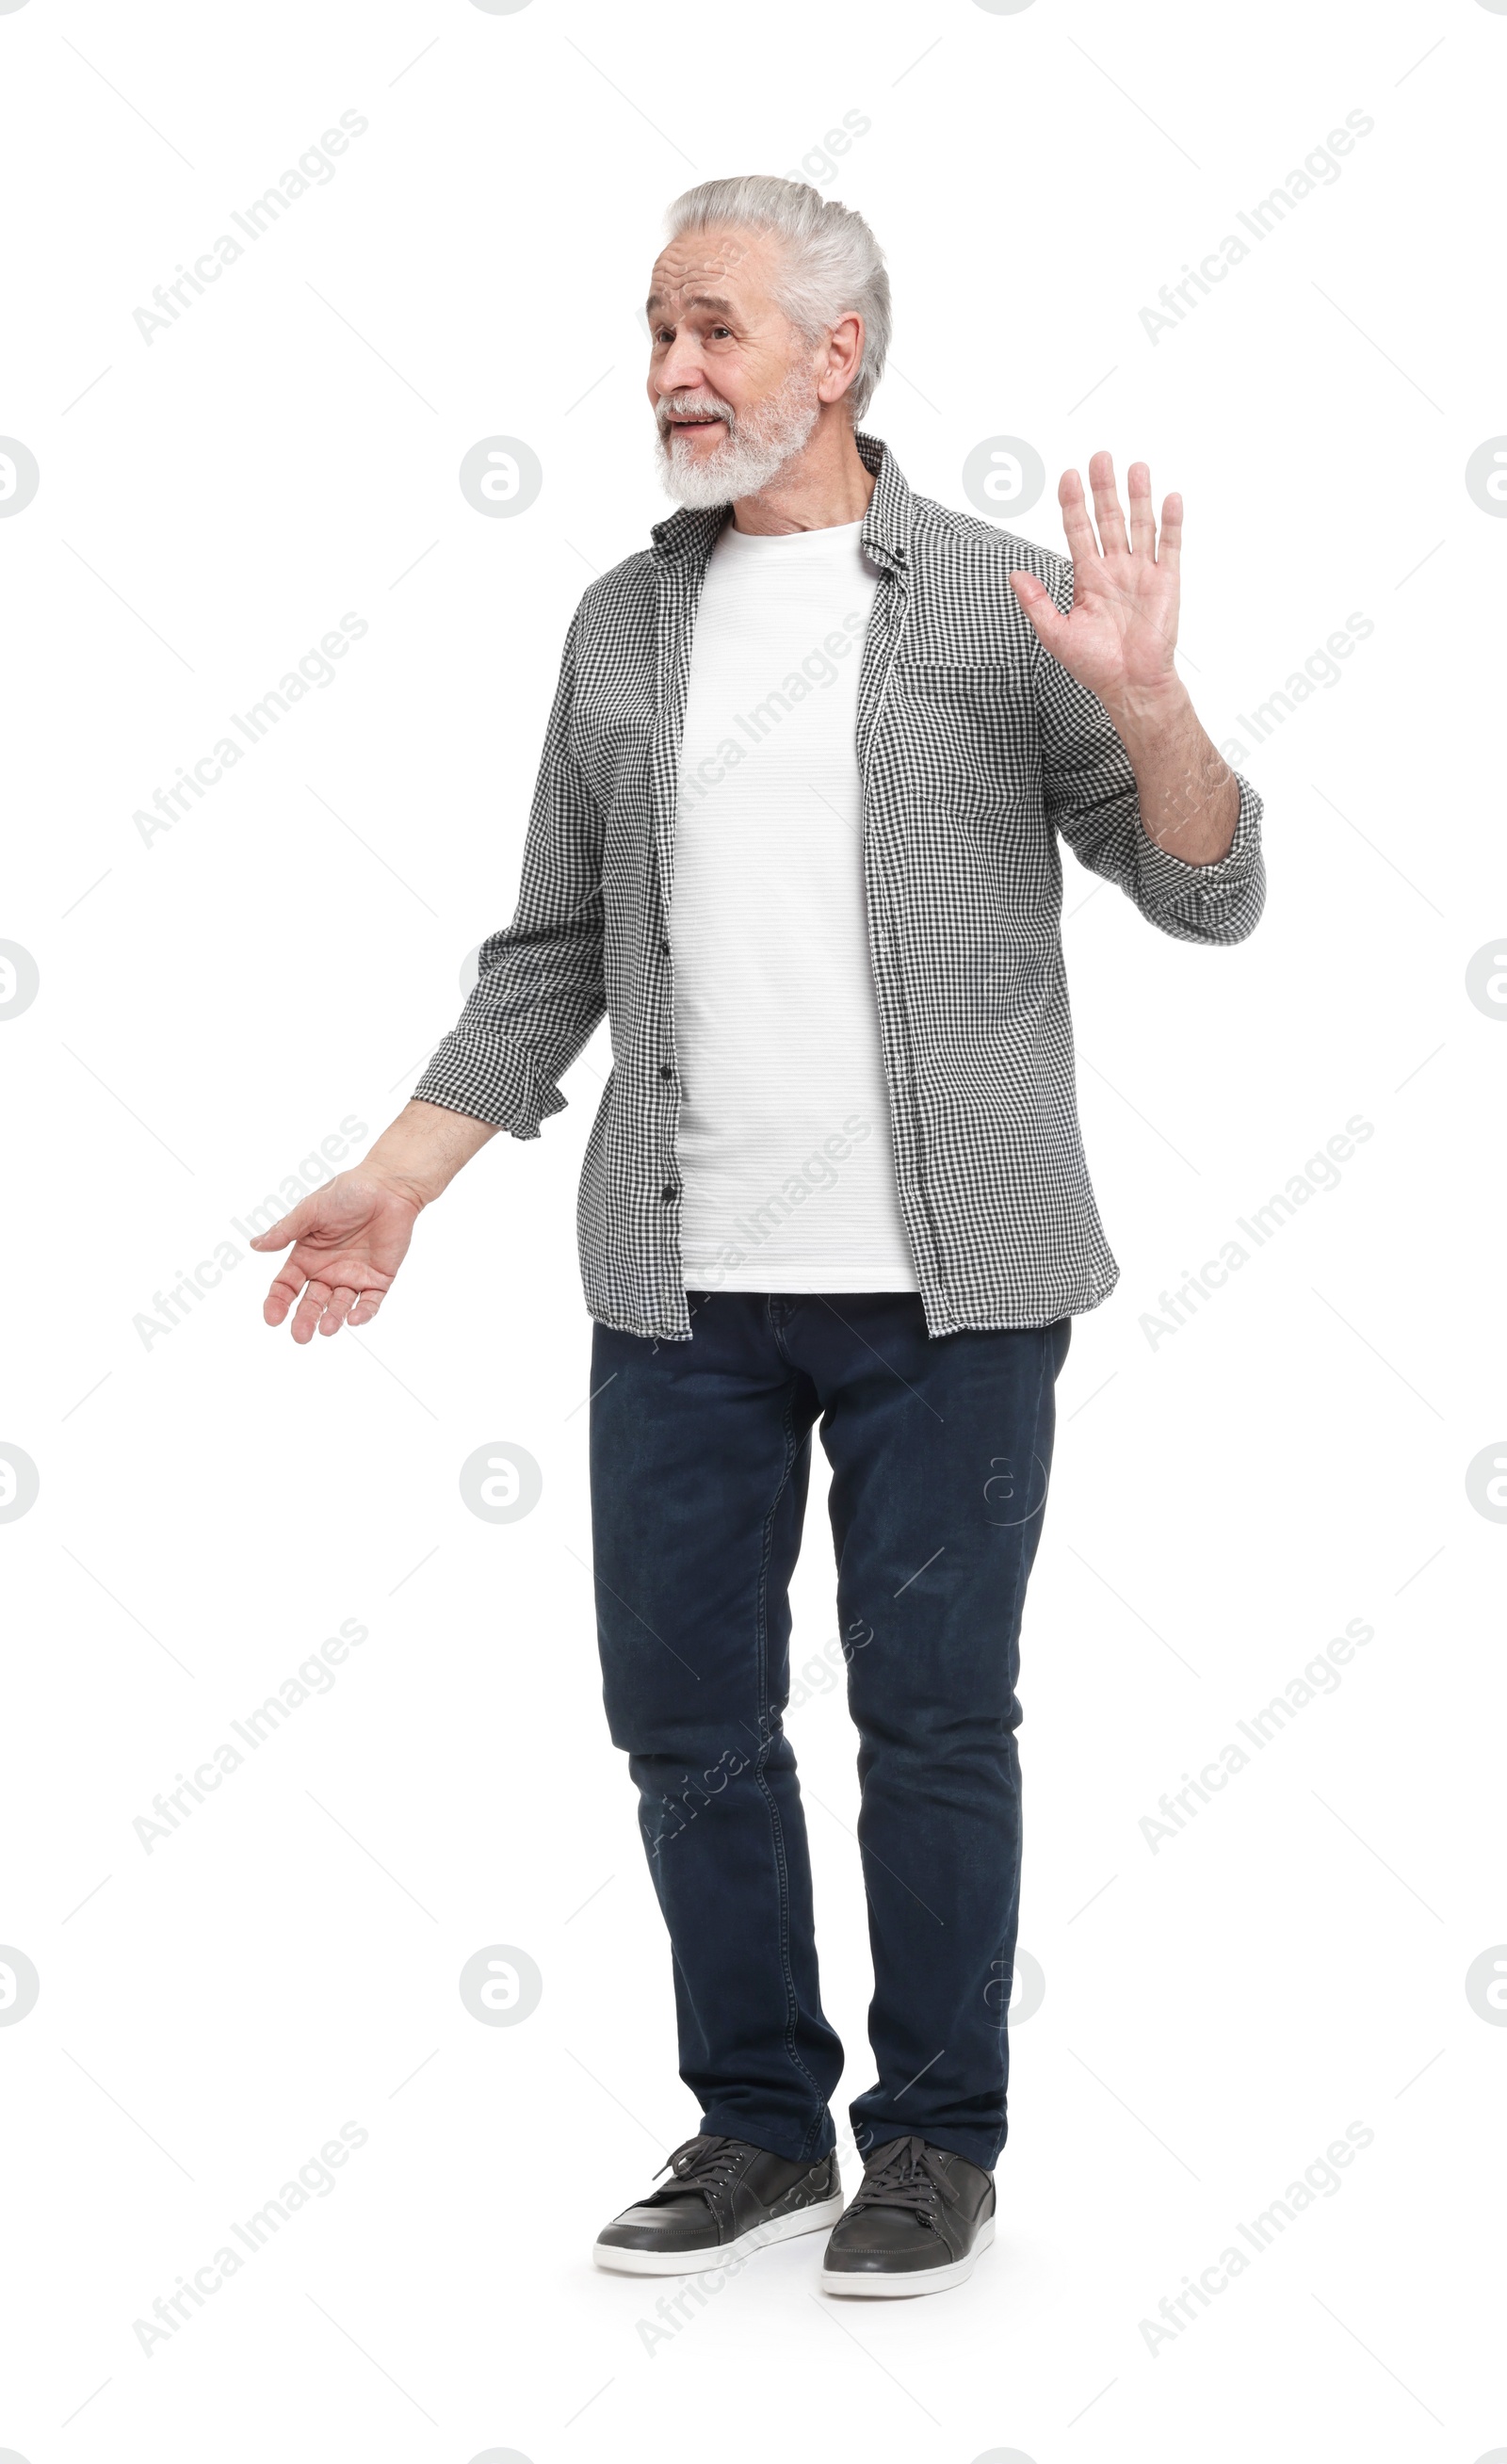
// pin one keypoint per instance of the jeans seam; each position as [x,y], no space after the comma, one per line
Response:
[777,1834]
[1016,1613]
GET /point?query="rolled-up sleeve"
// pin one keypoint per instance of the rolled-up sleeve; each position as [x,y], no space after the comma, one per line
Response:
[540,992]
[1090,793]
[1206,902]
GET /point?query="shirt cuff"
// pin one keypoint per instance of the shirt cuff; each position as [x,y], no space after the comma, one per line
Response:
[490,1080]
[1162,870]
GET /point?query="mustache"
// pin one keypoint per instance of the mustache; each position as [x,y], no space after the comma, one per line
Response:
[690,406]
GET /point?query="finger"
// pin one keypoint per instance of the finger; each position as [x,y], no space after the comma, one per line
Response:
[342,1302]
[310,1308]
[1143,521]
[284,1291]
[367,1307]
[1081,543]
[286,1228]
[1170,551]
[1048,619]
[1106,505]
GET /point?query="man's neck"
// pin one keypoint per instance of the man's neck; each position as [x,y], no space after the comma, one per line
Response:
[827,482]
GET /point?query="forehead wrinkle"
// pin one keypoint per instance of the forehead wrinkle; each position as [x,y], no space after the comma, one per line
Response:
[687,258]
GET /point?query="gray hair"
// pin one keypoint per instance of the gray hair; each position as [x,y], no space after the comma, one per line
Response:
[833,265]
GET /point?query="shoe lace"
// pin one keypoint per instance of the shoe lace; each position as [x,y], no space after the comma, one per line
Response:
[901,2179]
[701,2165]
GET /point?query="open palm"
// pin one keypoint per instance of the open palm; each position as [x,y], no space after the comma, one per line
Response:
[349,1240]
[1122,630]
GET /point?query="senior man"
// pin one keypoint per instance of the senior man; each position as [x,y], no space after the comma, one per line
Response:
[797,833]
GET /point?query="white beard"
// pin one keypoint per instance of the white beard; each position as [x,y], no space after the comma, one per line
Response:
[757,446]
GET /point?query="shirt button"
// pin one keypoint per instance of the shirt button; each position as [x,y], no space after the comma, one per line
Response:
[670,1193]
[663,949]
[666,1070]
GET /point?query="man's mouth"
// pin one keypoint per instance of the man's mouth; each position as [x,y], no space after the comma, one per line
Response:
[686,423]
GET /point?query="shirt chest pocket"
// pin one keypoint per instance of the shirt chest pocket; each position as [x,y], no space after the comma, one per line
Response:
[610,733]
[965,730]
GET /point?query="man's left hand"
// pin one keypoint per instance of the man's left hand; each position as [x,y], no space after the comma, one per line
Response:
[1121,634]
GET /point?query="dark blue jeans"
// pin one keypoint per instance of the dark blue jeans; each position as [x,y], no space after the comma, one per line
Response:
[940,1449]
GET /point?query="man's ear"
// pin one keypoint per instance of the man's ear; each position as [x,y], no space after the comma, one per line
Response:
[845,353]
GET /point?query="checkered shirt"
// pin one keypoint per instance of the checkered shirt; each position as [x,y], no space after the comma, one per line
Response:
[976,750]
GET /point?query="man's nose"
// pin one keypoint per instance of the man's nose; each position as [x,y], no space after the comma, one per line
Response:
[681,369]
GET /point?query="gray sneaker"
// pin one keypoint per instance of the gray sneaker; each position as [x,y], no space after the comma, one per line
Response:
[916,2226]
[725,2199]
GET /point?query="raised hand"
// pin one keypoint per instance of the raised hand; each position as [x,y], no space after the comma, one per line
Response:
[1120,636]
[349,1240]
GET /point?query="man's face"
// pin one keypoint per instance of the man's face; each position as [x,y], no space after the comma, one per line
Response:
[733,385]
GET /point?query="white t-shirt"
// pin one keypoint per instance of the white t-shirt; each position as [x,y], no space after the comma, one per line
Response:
[783,1139]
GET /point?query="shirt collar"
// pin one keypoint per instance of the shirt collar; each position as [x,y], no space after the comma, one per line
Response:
[885,536]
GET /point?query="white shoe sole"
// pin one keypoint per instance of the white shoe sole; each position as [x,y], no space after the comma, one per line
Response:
[697,2262]
[928,2279]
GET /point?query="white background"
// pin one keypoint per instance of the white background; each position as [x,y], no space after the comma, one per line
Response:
[212,1005]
